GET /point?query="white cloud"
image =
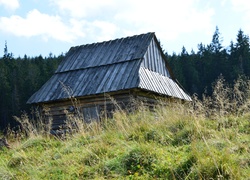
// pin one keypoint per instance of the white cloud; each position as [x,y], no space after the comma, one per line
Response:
[99,20]
[165,17]
[105,30]
[82,8]
[243,7]
[10,4]
[168,18]
[38,24]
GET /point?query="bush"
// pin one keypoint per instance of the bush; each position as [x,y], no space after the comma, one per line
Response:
[139,161]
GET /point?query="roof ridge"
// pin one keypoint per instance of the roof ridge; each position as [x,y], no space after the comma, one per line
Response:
[116,39]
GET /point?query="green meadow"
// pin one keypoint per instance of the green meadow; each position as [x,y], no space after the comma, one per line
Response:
[202,139]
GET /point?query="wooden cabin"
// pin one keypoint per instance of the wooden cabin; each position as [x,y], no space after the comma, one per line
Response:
[96,74]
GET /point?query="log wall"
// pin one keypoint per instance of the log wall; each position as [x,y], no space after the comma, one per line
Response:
[95,107]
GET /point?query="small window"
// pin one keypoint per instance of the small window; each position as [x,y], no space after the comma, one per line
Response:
[91,114]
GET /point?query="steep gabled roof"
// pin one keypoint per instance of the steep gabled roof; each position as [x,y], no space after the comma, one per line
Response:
[111,66]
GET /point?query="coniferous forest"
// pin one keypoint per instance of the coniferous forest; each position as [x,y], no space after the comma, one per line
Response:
[20,78]
[196,71]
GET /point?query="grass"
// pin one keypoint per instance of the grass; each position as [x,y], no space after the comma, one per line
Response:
[178,141]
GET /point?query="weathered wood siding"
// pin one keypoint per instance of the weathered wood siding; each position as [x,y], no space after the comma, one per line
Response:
[88,108]
[155,82]
[154,61]
[96,107]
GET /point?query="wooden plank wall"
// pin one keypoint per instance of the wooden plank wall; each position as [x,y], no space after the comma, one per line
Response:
[154,60]
[103,104]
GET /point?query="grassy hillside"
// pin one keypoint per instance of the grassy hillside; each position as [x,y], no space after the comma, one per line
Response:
[207,139]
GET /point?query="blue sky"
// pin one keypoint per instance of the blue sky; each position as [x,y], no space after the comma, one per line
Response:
[35,27]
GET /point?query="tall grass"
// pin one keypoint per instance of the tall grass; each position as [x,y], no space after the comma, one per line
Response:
[202,139]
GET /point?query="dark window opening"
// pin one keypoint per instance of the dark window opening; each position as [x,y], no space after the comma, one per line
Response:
[91,114]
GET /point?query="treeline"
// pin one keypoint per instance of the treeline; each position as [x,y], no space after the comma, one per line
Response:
[198,70]
[19,79]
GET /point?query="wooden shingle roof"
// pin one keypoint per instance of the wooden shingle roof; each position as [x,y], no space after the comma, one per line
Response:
[121,64]
[106,53]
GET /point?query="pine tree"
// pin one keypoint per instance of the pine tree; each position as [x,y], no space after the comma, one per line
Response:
[216,44]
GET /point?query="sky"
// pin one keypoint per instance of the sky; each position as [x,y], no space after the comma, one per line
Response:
[41,27]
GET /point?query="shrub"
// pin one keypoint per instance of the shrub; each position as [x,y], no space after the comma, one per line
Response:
[139,161]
